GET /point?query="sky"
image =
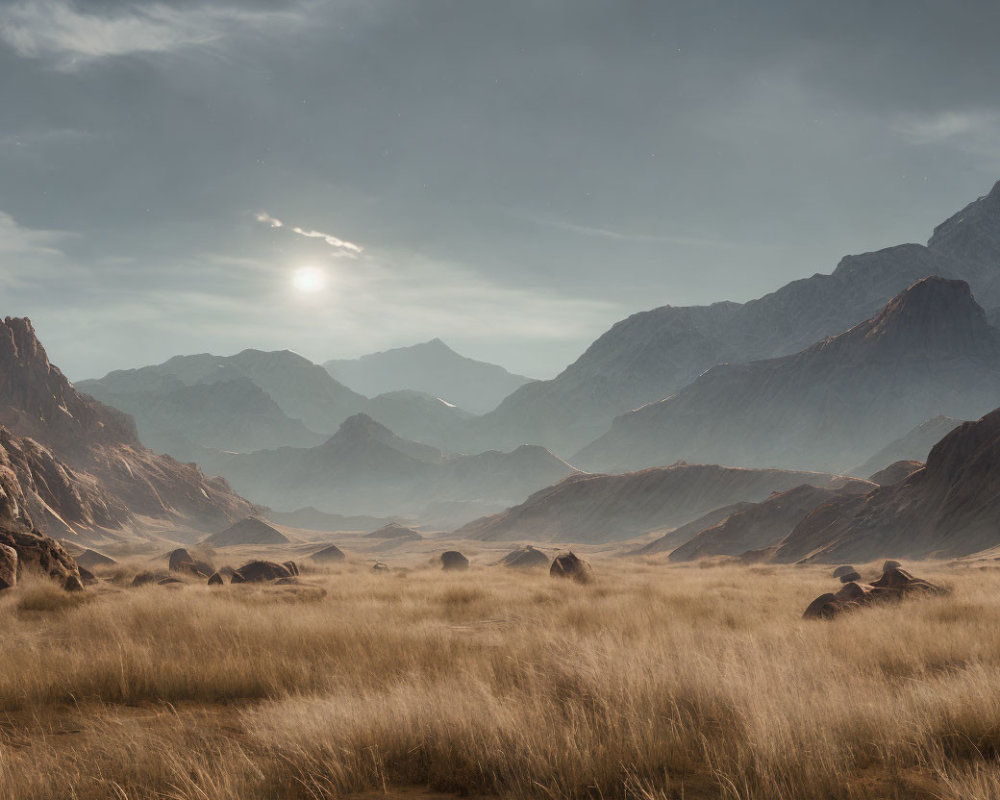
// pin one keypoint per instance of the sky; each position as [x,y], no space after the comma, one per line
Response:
[513,177]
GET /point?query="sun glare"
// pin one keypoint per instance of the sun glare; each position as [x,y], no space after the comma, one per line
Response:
[309,280]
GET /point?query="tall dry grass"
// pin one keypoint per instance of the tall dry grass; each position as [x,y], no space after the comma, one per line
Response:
[653,681]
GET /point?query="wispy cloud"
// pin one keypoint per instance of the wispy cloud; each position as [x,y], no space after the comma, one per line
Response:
[71,36]
[975,132]
[342,246]
[18,240]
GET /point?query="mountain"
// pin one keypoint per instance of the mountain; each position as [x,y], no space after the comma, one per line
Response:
[929,351]
[914,445]
[247,531]
[949,508]
[302,390]
[654,354]
[367,469]
[79,464]
[432,368]
[587,508]
[418,416]
[229,415]
[763,524]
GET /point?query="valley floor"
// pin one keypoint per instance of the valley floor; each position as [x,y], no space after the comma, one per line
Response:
[654,681]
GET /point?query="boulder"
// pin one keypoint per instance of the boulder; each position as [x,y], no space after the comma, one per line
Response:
[182,561]
[292,567]
[453,560]
[569,565]
[850,577]
[167,581]
[73,583]
[329,553]
[8,567]
[380,567]
[262,571]
[236,577]
[525,558]
[88,577]
[144,579]
[40,553]
[843,570]
[890,564]
[823,607]
[216,580]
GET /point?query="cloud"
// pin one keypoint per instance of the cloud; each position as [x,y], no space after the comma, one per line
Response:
[343,247]
[947,126]
[60,30]
[18,240]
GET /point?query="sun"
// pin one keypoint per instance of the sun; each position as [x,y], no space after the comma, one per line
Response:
[309,280]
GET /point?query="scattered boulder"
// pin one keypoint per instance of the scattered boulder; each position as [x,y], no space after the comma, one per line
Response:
[8,567]
[236,577]
[216,580]
[380,567]
[292,567]
[527,557]
[890,564]
[895,584]
[453,560]
[73,583]
[262,571]
[91,559]
[569,565]
[849,577]
[841,571]
[329,553]
[144,579]
[182,561]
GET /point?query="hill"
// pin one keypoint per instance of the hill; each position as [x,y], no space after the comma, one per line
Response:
[431,368]
[911,446]
[601,508]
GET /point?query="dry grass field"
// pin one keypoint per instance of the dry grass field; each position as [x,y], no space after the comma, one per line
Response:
[653,681]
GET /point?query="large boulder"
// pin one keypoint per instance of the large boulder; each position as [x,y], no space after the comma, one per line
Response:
[843,570]
[216,580]
[262,571]
[8,567]
[570,565]
[39,553]
[526,557]
[180,560]
[453,560]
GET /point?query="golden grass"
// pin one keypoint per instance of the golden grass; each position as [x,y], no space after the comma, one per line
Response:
[653,681]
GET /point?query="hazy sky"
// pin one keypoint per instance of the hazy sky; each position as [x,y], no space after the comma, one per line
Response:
[512,176]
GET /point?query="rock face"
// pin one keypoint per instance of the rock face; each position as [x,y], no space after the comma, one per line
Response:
[432,368]
[453,561]
[78,463]
[8,567]
[569,565]
[894,585]
[763,524]
[895,472]
[328,554]
[366,469]
[39,553]
[912,447]
[654,354]
[247,531]
[951,507]
[602,508]
[929,349]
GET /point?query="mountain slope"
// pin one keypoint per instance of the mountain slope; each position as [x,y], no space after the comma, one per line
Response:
[929,351]
[603,508]
[366,469]
[432,368]
[951,507]
[651,355]
[911,446]
[83,470]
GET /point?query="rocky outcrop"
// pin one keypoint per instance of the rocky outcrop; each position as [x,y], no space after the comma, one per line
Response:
[330,553]
[930,349]
[8,567]
[262,571]
[40,553]
[894,585]
[894,473]
[527,557]
[602,508]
